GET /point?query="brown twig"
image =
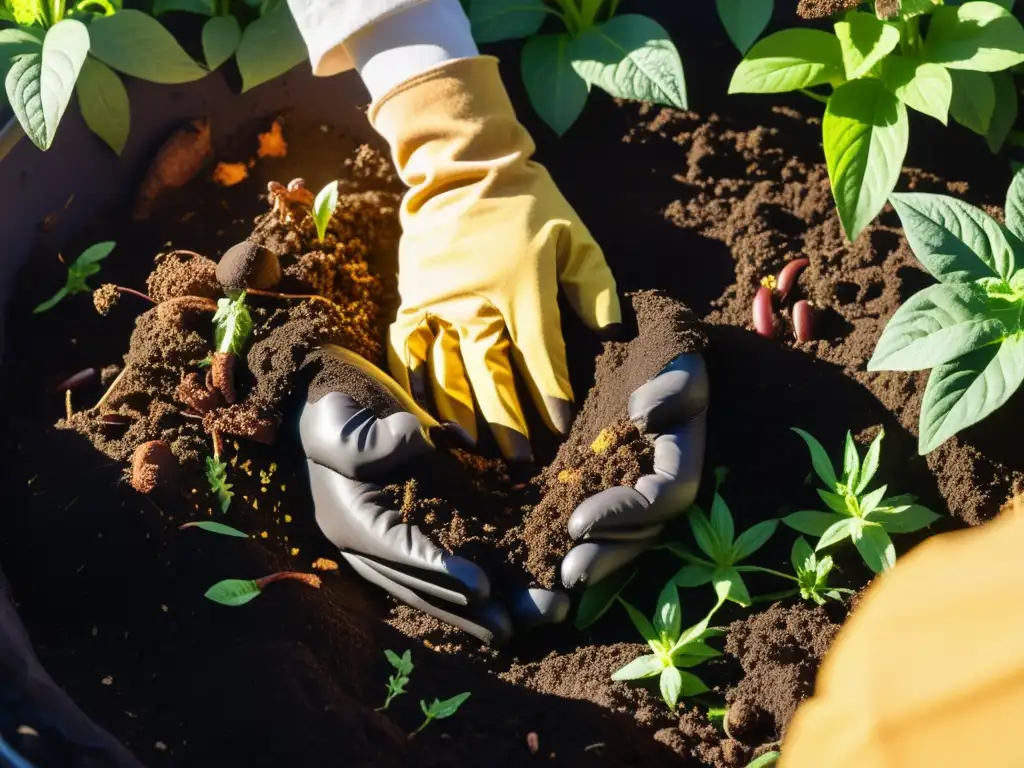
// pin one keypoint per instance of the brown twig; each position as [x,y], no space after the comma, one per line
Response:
[218,444]
[133,292]
[300,296]
[309,579]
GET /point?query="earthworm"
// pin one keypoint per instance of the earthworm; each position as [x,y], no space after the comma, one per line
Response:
[764,320]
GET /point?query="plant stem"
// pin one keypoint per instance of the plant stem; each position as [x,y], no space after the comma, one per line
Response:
[816,96]
[759,569]
[300,296]
[423,725]
[571,16]
[67,404]
[218,444]
[133,292]
[613,7]
[309,579]
[110,390]
[773,596]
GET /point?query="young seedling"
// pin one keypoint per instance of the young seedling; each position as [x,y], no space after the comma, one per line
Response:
[673,649]
[768,758]
[232,325]
[396,683]
[236,592]
[323,208]
[716,539]
[865,517]
[82,268]
[439,710]
[212,527]
[217,477]
[812,573]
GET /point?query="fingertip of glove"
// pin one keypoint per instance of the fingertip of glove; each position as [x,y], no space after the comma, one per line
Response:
[476,583]
[560,412]
[590,562]
[614,503]
[533,607]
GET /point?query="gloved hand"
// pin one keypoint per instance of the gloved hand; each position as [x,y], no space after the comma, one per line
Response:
[487,241]
[614,526]
[358,429]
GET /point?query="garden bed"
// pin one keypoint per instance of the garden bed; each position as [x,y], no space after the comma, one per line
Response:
[700,205]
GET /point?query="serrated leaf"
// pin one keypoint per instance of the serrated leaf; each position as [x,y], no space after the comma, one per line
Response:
[802,556]
[495,20]
[819,458]
[923,86]
[865,135]
[753,539]
[1005,114]
[217,479]
[668,614]
[788,61]
[221,36]
[955,242]
[270,46]
[979,36]
[39,84]
[704,534]
[324,205]
[693,576]
[905,519]
[556,90]
[136,44]
[233,592]
[643,626]
[965,391]
[871,460]
[864,40]
[876,548]
[638,669]
[103,101]
[220,528]
[810,521]
[232,325]
[596,600]
[721,522]
[974,100]
[744,20]
[393,659]
[840,530]
[631,57]
[934,326]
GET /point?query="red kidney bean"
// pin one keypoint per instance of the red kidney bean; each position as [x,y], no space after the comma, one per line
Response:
[788,276]
[764,319]
[803,320]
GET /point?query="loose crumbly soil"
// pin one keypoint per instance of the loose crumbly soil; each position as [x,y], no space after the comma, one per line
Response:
[716,199]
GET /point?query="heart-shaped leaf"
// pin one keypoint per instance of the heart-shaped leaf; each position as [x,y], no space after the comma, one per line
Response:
[556,90]
[865,40]
[979,36]
[270,46]
[923,86]
[135,43]
[221,36]
[103,100]
[744,20]
[788,61]
[1015,205]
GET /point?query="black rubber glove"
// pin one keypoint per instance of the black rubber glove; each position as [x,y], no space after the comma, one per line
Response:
[614,526]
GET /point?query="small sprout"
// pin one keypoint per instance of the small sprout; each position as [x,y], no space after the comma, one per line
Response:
[788,276]
[206,362]
[82,268]
[812,573]
[217,477]
[803,320]
[232,324]
[236,592]
[439,710]
[764,318]
[323,208]
[212,527]
[768,758]
[396,683]
[866,518]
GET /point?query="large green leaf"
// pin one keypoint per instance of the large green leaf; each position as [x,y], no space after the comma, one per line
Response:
[39,84]
[819,458]
[904,519]
[137,44]
[721,522]
[936,325]
[744,20]
[865,40]
[104,103]
[1015,205]
[965,391]
[1005,113]
[974,100]
[865,135]
[270,46]
[876,548]
[597,599]
[495,20]
[631,57]
[955,241]
[221,36]
[556,90]
[789,60]
[752,539]
[923,86]
[981,36]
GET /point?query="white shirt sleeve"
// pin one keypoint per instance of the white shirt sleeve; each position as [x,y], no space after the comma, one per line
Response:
[388,41]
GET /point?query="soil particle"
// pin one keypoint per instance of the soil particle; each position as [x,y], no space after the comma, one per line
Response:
[105,298]
[182,273]
[152,464]
[192,391]
[822,9]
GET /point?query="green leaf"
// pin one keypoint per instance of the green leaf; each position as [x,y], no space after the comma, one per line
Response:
[1005,114]
[221,36]
[671,685]
[955,242]
[729,585]
[94,254]
[865,135]
[974,100]
[631,57]
[744,20]
[904,519]
[1015,205]
[692,654]
[811,522]
[233,592]
[596,600]
[202,7]
[705,535]
[788,61]
[876,548]
[15,42]
[641,623]
[835,502]
[802,556]
[721,522]
[495,20]
[753,539]
[965,391]
[768,758]
[871,500]
[693,576]
[979,36]
[865,40]
[692,685]
[324,205]
[270,46]
[668,614]
[870,466]
[407,665]
[934,326]
[843,529]
[556,91]
[638,669]
[217,478]
[39,84]
[103,100]
[136,44]
[393,659]
[923,86]
[51,302]
[819,458]
[851,462]
[232,324]
[439,710]
[212,527]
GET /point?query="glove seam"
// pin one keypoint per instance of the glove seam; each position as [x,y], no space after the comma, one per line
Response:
[425,76]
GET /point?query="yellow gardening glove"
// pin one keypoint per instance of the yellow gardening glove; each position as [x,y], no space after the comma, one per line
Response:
[487,240]
[929,671]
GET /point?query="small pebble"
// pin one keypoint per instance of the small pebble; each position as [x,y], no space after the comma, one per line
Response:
[161,746]
[108,680]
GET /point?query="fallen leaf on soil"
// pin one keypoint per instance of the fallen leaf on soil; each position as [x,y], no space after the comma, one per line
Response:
[229,174]
[272,143]
[176,163]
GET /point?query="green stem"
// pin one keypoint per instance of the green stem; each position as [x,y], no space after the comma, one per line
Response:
[816,96]
[571,17]
[423,725]
[910,40]
[773,596]
[759,569]
[588,13]
[613,8]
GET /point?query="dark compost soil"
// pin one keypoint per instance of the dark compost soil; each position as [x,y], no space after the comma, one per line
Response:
[718,198]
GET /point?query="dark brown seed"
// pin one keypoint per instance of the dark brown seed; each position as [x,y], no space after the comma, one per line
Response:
[76,380]
[803,320]
[788,276]
[764,319]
